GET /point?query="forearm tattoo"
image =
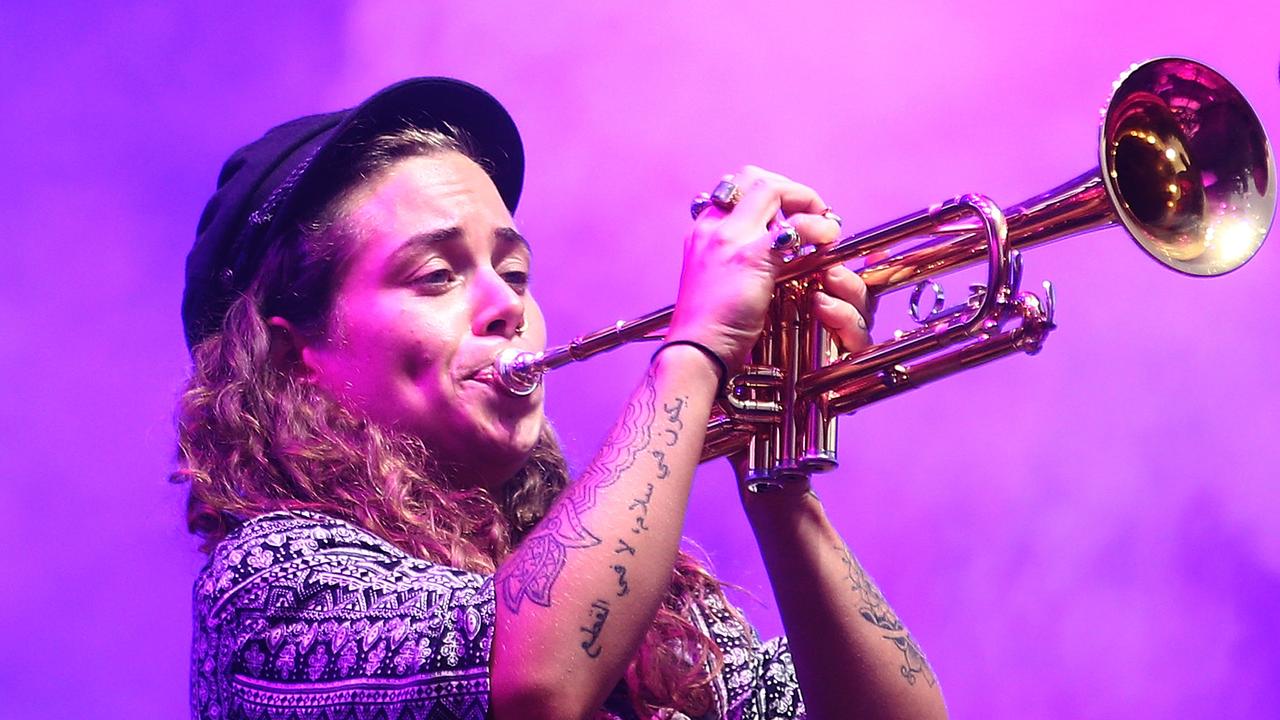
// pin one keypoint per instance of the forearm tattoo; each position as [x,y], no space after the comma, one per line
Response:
[623,587]
[874,609]
[639,507]
[598,612]
[537,564]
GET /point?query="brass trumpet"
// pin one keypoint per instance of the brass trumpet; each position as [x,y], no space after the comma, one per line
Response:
[1184,166]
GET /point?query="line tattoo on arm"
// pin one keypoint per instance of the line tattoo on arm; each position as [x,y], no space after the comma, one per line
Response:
[599,612]
[673,411]
[663,470]
[623,586]
[875,609]
[532,571]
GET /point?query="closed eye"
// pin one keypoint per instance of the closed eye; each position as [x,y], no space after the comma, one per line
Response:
[517,279]
[435,280]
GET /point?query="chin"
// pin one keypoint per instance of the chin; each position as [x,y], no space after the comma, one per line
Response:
[517,448]
[490,459]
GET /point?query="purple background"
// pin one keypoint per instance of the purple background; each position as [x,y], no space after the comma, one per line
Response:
[1085,534]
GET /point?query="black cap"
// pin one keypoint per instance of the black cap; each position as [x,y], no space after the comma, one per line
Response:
[262,185]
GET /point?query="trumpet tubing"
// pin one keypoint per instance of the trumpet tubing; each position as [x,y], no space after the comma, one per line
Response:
[1184,166]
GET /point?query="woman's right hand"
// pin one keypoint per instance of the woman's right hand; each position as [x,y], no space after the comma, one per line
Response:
[730,266]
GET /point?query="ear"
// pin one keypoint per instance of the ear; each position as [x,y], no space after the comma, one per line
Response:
[287,346]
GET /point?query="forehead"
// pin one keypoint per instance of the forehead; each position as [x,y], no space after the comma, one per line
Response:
[421,193]
[420,205]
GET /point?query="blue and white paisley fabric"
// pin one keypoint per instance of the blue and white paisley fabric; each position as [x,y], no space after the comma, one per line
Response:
[303,616]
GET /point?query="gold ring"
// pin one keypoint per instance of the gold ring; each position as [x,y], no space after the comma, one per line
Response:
[726,195]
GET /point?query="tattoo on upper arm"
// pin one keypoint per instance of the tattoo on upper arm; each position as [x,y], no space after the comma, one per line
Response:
[673,410]
[875,609]
[537,564]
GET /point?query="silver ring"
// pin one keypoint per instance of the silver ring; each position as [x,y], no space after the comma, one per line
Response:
[787,238]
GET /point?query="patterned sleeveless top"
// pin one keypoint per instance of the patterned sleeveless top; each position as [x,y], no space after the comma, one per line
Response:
[303,616]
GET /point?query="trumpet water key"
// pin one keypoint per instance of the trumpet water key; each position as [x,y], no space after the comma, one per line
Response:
[1184,166]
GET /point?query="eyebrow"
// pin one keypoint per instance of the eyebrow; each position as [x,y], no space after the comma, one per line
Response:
[512,236]
[428,241]
[423,242]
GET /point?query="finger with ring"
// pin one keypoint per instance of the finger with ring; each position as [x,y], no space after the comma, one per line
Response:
[814,229]
[726,195]
[700,203]
[764,194]
[787,238]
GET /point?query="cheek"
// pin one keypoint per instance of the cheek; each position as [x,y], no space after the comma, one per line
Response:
[535,322]
[382,354]
[413,362]
[421,357]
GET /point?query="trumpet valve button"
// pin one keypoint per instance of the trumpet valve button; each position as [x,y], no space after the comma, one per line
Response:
[896,376]
[819,463]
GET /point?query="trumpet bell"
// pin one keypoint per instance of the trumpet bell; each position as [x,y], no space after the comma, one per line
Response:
[1187,166]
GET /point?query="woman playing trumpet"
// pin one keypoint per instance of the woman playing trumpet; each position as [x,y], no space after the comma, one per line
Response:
[393,535]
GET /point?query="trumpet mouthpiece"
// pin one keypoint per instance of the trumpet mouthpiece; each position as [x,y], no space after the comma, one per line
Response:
[519,371]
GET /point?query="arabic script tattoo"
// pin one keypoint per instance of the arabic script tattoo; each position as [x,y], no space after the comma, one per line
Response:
[623,587]
[673,412]
[874,609]
[533,571]
[663,469]
[599,612]
[643,502]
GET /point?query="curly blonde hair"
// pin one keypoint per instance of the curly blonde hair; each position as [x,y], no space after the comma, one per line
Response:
[253,438]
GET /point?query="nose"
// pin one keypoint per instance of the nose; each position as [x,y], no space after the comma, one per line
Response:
[499,309]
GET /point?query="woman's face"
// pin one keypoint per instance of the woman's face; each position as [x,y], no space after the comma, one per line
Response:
[437,286]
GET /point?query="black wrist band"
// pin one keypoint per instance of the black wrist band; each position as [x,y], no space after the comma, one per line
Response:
[722,370]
